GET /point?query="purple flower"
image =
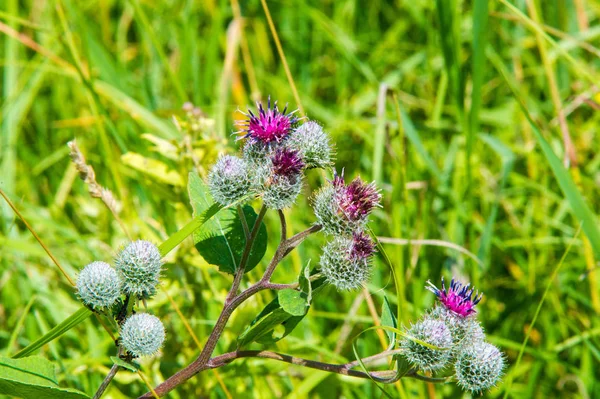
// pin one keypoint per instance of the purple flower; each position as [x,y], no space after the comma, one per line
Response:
[270,125]
[357,199]
[287,162]
[362,246]
[458,299]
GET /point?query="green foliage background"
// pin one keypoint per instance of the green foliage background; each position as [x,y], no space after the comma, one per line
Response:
[112,73]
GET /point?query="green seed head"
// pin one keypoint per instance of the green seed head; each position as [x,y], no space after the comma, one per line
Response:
[313,144]
[138,267]
[229,180]
[479,367]
[431,331]
[142,334]
[98,285]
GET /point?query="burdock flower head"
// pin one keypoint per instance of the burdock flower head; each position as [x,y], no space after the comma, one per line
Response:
[479,367]
[138,267]
[459,299]
[281,178]
[269,126]
[343,209]
[433,332]
[346,261]
[287,162]
[229,180]
[313,144]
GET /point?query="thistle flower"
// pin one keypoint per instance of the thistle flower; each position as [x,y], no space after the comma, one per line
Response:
[459,299]
[434,332]
[343,209]
[345,262]
[269,126]
[142,334]
[313,144]
[279,178]
[479,367]
[138,267]
[229,180]
[98,285]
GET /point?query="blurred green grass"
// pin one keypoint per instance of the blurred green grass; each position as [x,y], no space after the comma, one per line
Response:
[112,73]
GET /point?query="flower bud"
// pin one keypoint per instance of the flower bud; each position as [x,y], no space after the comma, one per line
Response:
[313,144]
[343,209]
[138,267]
[345,262]
[142,334]
[434,332]
[479,367]
[465,331]
[281,178]
[98,285]
[229,180]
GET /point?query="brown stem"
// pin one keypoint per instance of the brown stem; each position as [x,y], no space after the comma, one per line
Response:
[109,377]
[343,369]
[232,301]
[239,274]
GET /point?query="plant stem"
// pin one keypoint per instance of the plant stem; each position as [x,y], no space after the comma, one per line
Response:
[239,274]
[240,211]
[387,376]
[233,300]
[111,374]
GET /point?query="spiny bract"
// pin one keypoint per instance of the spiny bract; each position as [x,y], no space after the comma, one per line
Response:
[138,267]
[142,334]
[98,285]
[229,180]
[465,330]
[345,208]
[345,261]
[313,144]
[431,331]
[479,367]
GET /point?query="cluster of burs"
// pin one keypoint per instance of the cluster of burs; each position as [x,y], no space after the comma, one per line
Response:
[115,291]
[449,336]
[276,152]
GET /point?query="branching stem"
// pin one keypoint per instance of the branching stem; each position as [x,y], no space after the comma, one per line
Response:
[233,300]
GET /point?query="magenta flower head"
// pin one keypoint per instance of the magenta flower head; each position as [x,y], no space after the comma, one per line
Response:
[269,126]
[362,246]
[344,209]
[287,162]
[357,199]
[459,299]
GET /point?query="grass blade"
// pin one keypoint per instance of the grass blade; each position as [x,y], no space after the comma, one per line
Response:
[578,204]
[70,322]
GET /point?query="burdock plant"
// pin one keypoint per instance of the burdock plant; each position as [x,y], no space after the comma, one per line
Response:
[477,364]
[277,150]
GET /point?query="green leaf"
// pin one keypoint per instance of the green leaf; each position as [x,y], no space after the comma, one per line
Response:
[264,324]
[70,322]
[304,282]
[388,319]
[32,378]
[188,229]
[262,329]
[293,302]
[126,365]
[221,240]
